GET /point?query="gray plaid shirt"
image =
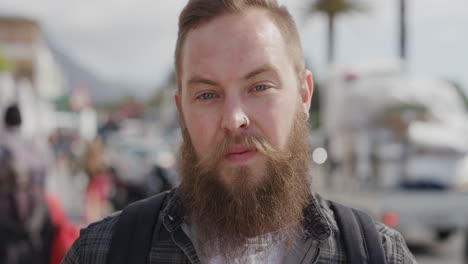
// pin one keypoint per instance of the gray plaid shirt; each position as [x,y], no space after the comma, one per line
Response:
[322,242]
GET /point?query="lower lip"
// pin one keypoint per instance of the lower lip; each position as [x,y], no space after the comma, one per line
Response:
[240,157]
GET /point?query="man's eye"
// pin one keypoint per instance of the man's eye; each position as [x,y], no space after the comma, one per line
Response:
[259,88]
[206,96]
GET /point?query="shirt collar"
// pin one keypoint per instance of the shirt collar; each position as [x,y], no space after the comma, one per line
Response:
[315,222]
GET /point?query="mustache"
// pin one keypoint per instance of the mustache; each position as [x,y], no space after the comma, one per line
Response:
[250,142]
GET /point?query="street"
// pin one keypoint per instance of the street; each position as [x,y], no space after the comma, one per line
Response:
[448,252]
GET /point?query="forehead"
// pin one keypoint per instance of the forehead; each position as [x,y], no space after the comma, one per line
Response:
[232,45]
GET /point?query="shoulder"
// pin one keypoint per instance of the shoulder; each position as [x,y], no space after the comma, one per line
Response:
[94,242]
[395,248]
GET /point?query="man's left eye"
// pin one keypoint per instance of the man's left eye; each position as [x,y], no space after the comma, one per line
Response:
[259,88]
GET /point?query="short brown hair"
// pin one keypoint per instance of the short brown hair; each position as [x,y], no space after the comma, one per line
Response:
[198,12]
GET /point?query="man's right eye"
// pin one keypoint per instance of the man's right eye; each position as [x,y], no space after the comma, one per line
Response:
[206,96]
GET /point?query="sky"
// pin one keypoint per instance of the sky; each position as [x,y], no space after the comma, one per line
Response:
[133,40]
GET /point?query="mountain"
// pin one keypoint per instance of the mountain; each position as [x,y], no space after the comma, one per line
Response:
[100,91]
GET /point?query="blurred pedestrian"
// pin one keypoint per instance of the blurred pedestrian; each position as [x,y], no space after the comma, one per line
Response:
[126,192]
[11,136]
[30,231]
[158,180]
[243,98]
[98,191]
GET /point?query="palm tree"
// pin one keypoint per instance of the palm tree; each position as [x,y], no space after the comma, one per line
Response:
[402,29]
[332,9]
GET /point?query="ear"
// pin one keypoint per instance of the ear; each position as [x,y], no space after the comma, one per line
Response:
[307,89]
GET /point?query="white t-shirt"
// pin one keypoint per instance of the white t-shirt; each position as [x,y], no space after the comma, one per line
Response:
[273,254]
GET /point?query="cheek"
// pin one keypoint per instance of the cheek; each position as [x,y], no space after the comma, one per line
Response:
[276,121]
[202,130]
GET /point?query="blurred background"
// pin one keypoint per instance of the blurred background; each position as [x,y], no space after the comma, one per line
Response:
[93,81]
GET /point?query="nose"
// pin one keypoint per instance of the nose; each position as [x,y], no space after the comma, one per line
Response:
[234,117]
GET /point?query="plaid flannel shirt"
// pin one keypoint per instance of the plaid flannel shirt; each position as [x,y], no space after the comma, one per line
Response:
[322,239]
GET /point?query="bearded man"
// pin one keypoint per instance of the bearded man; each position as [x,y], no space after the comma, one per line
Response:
[243,96]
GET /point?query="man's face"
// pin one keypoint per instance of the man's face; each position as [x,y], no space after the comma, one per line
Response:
[237,79]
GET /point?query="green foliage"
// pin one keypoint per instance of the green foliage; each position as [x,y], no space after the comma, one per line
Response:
[336,7]
[4,64]
[156,100]
[462,93]
[61,103]
[405,107]
[332,9]
[315,110]
[464,98]
[314,120]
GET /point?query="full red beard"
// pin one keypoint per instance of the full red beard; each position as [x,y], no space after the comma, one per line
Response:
[226,217]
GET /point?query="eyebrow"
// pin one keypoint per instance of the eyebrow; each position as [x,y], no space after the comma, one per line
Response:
[200,80]
[259,70]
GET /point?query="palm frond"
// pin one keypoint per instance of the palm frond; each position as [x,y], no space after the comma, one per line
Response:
[336,7]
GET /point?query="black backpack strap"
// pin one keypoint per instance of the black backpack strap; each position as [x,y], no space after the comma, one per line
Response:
[362,242]
[372,237]
[133,233]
